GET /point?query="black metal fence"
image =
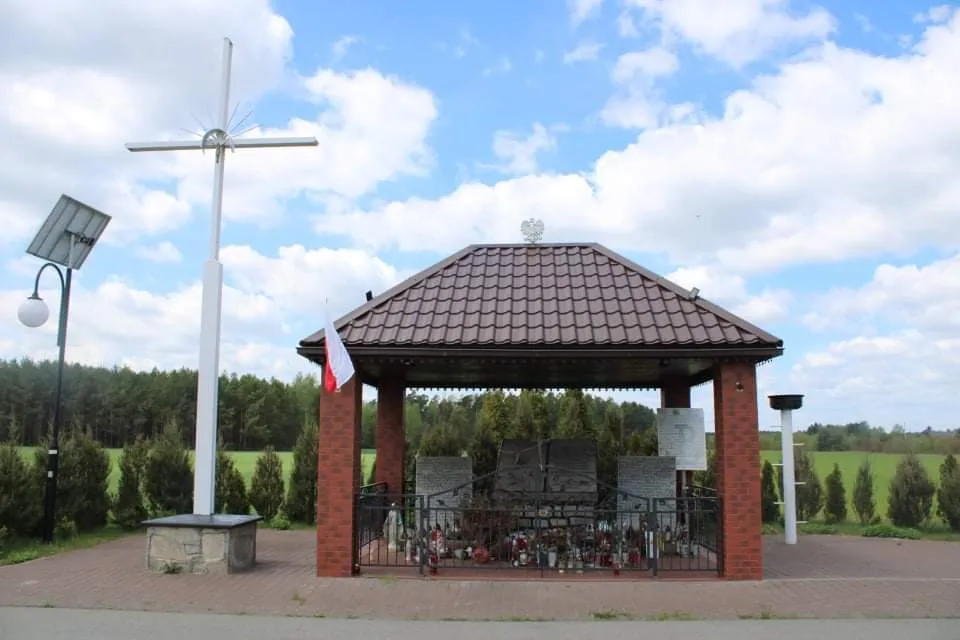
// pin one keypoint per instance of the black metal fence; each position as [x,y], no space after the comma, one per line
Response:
[689,527]
[431,534]
[372,506]
[388,534]
[703,507]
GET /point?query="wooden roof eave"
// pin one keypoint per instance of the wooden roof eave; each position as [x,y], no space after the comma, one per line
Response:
[758,353]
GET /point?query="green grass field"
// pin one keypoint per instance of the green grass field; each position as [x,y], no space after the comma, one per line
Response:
[884,466]
[246,461]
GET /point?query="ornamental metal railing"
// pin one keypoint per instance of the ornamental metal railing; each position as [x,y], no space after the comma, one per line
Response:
[537,535]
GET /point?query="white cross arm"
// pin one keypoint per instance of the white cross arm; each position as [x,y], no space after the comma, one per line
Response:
[237,143]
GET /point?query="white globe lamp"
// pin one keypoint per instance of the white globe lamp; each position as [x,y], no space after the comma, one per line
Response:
[33,312]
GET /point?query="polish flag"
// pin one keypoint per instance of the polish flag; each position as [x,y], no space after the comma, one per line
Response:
[338,368]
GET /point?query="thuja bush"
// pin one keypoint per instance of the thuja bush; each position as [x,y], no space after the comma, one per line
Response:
[410,471]
[168,474]
[769,509]
[835,506]
[911,494]
[948,495]
[708,478]
[129,510]
[441,440]
[301,501]
[82,481]
[864,502]
[21,495]
[266,489]
[231,491]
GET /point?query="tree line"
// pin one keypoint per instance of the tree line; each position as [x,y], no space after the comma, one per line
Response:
[118,405]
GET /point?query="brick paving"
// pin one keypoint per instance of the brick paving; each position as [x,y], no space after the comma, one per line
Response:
[822,577]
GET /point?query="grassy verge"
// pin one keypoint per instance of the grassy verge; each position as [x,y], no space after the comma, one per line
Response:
[17,551]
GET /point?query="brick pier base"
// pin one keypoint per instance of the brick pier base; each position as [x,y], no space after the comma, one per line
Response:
[738,469]
[338,479]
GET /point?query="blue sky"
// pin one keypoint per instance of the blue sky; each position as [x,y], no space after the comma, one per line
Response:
[770,154]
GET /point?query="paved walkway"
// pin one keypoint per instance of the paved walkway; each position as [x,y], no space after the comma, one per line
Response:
[69,624]
[822,577]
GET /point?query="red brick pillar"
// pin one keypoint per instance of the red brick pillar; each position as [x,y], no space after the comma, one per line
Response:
[738,469]
[675,394]
[338,478]
[391,438]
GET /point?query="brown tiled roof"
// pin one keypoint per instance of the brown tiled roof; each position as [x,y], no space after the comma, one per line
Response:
[545,295]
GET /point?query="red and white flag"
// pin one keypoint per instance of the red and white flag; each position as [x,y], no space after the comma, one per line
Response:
[339,367]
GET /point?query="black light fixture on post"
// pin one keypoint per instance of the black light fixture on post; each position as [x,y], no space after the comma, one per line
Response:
[65,240]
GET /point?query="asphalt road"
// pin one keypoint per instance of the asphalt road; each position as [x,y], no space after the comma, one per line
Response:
[71,624]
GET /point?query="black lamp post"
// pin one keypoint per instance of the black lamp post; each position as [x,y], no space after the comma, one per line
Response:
[63,242]
[33,313]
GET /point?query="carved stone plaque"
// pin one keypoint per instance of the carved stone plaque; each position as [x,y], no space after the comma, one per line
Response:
[681,434]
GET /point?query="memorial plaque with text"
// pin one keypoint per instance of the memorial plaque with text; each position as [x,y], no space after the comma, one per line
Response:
[681,435]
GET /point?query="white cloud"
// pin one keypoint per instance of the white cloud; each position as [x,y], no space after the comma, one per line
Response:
[584,52]
[626,27]
[730,291]
[650,63]
[302,280]
[118,323]
[162,252]
[467,37]
[269,304]
[582,10]
[735,31]
[637,103]
[902,356]
[342,45]
[76,92]
[78,85]
[864,23]
[500,67]
[836,155]
[937,14]
[370,127]
[464,41]
[885,378]
[926,298]
[518,153]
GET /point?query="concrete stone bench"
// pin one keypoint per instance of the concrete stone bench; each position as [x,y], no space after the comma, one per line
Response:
[191,543]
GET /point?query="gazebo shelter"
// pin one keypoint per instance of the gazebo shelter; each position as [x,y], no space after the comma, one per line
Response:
[545,316]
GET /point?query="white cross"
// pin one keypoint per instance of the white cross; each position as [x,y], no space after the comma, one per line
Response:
[208,380]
